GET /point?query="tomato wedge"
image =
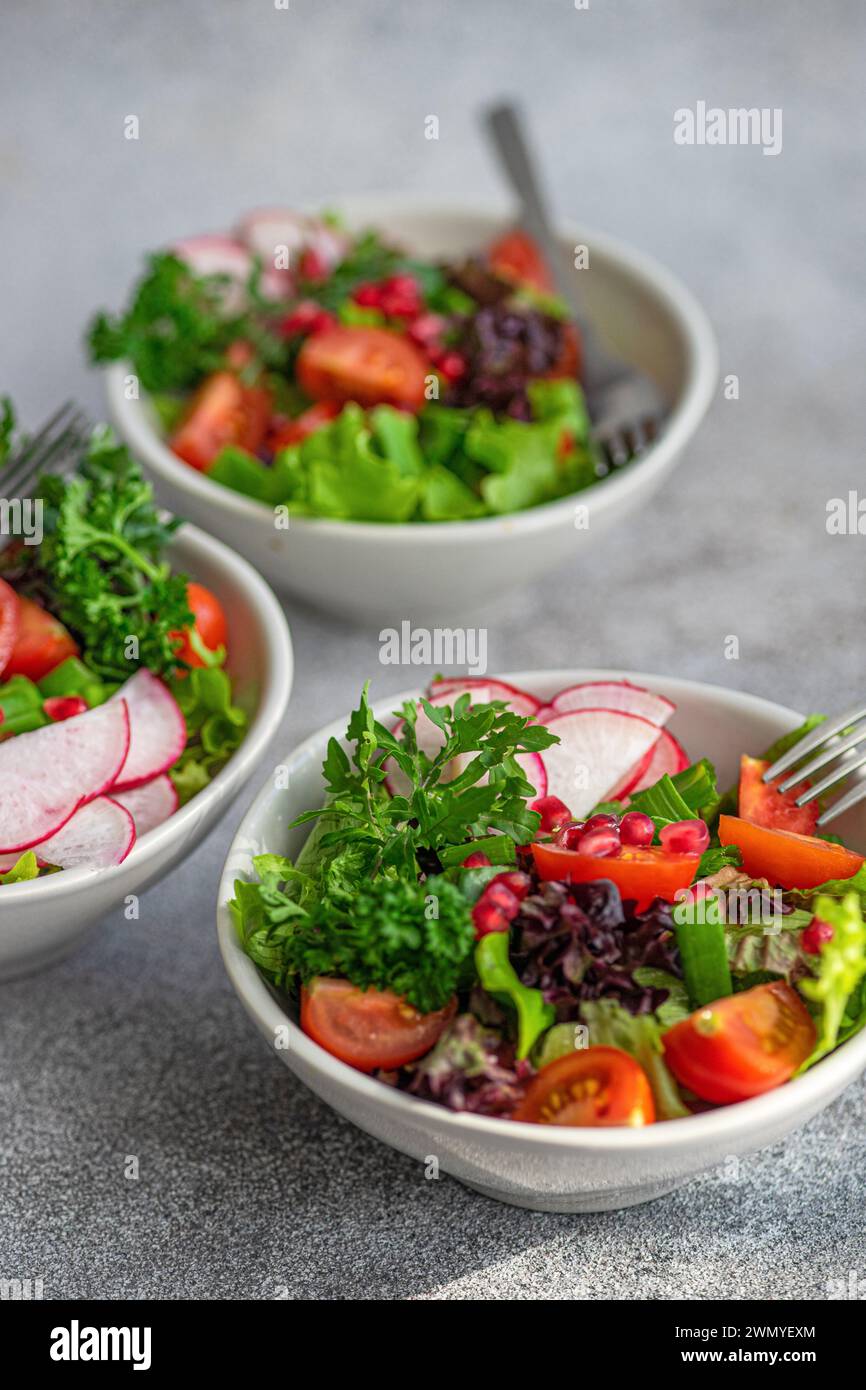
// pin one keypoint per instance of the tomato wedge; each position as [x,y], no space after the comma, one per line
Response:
[10,619]
[639,872]
[293,431]
[763,804]
[784,858]
[743,1045]
[369,1028]
[222,411]
[596,1086]
[372,366]
[42,643]
[515,256]
[210,624]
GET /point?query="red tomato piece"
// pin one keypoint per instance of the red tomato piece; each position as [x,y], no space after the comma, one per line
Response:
[763,804]
[369,1028]
[743,1045]
[42,643]
[515,256]
[223,411]
[372,366]
[595,1086]
[642,872]
[308,422]
[210,624]
[10,620]
[784,858]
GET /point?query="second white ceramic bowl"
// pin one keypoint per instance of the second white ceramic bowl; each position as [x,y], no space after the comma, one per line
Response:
[434,572]
[537,1166]
[43,921]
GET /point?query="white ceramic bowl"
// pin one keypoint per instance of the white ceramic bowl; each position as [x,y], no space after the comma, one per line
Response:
[43,921]
[538,1166]
[432,572]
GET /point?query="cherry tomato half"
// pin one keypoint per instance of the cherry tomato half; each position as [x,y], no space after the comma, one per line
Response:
[763,804]
[42,643]
[222,411]
[515,256]
[308,422]
[743,1045]
[10,619]
[642,872]
[368,1028]
[784,858]
[210,624]
[595,1086]
[372,366]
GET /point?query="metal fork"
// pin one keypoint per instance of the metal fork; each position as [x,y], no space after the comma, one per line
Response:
[627,407]
[831,740]
[58,442]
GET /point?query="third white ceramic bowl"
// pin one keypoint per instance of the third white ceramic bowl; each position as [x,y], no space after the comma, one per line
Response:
[435,572]
[42,921]
[537,1166]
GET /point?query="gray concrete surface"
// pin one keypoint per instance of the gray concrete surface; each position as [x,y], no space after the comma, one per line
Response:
[248,1187]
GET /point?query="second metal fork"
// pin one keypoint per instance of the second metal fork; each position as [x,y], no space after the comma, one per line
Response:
[832,740]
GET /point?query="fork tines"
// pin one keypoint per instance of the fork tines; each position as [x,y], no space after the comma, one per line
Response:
[58,444]
[623,445]
[832,740]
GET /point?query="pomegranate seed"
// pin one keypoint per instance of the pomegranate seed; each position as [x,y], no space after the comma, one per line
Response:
[476,861]
[488,918]
[399,306]
[602,819]
[515,881]
[402,284]
[502,897]
[302,318]
[815,935]
[601,843]
[554,813]
[426,329]
[570,836]
[685,837]
[59,707]
[636,829]
[311,266]
[369,296]
[452,366]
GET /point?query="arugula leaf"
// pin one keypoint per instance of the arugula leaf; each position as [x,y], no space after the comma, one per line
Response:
[215,727]
[841,968]
[641,1037]
[497,977]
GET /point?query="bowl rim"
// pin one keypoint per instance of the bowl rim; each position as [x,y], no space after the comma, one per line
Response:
[700,378]
[829,1076]
[190,544]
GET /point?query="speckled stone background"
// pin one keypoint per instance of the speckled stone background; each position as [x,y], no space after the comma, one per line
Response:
[248,1186]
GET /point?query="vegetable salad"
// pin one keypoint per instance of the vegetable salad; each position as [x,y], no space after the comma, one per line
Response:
[340,377]
[115,707]
[550,913]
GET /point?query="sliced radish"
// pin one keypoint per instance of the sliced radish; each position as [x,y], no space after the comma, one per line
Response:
[619,695]
[48,773]
[150,803]
[483,691]
[272,231]
[99,835]
[211,254]
[667,756]
[632,778]
[597,751]
[157,729]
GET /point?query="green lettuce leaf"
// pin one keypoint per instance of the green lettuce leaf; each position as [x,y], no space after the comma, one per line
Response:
[23,869]
[215,728]
[641,1037]
[836,990]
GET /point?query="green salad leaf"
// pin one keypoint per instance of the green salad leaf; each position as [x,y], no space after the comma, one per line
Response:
[836,990]
[498,978]
[215,727]
[22,870]
[641,1037]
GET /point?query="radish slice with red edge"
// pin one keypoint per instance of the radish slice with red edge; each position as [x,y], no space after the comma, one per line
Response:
[149,804]
[98,836]
[597,750]
[617,695]
[483,691]
[157,729]
[48,773]
[667,757]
